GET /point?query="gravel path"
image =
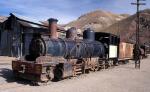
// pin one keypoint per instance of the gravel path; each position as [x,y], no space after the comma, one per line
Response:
[123,78]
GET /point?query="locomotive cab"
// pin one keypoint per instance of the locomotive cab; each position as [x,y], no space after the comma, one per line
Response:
[111,44]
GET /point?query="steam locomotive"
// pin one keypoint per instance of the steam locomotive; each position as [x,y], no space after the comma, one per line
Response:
[52,58]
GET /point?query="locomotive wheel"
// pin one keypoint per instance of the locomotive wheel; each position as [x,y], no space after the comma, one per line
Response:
[106,64]
[102,64]
[110,63]
[87,71]
[58,74]
[115,62]
[97,68]
[38,83]
[49,73]
[95,65]
[92,67]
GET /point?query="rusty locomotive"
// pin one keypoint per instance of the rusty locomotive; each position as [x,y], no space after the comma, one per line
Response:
[53,58]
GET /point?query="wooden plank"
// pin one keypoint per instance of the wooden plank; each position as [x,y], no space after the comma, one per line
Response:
[125,50]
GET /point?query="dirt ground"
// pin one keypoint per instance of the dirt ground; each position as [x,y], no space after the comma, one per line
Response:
[122,78]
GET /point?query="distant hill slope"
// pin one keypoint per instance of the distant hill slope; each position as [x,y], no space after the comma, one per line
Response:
[2,19]
[97,20]
[126,28]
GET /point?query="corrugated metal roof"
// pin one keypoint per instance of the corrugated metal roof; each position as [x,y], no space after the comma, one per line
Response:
[25,24]
[24,21]
[60,27]
[27,18]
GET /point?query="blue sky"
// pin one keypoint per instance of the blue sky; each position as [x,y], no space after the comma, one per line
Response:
[64,10]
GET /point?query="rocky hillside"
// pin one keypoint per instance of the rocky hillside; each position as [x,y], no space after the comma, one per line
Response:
[126,28]
[97,20]
[2,19]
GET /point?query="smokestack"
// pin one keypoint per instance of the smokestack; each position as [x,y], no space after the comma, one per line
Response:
[53,28]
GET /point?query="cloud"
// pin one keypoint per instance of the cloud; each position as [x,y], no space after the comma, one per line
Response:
[64,10]
[42,14]
[38,10]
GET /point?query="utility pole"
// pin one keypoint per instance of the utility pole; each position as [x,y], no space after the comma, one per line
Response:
[137,47]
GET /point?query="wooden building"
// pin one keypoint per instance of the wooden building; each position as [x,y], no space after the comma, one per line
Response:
[16,34]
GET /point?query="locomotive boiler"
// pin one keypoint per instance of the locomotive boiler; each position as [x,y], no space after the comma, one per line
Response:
[67,48]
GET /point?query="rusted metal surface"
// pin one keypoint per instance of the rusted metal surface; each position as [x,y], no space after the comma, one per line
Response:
[27,67]
[47,68]
[32,71]
[125,51]
[92,64]
[67,69]
[53,28]
[45,59]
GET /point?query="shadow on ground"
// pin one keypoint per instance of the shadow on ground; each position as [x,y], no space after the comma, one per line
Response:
[6,75]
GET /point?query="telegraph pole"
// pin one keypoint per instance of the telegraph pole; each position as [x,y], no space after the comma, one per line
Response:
[137,47]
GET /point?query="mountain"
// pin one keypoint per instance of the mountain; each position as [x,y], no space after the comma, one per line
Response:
[2,19]
[126,28]
[96,20]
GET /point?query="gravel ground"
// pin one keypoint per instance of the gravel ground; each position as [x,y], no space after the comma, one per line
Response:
[123,78]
